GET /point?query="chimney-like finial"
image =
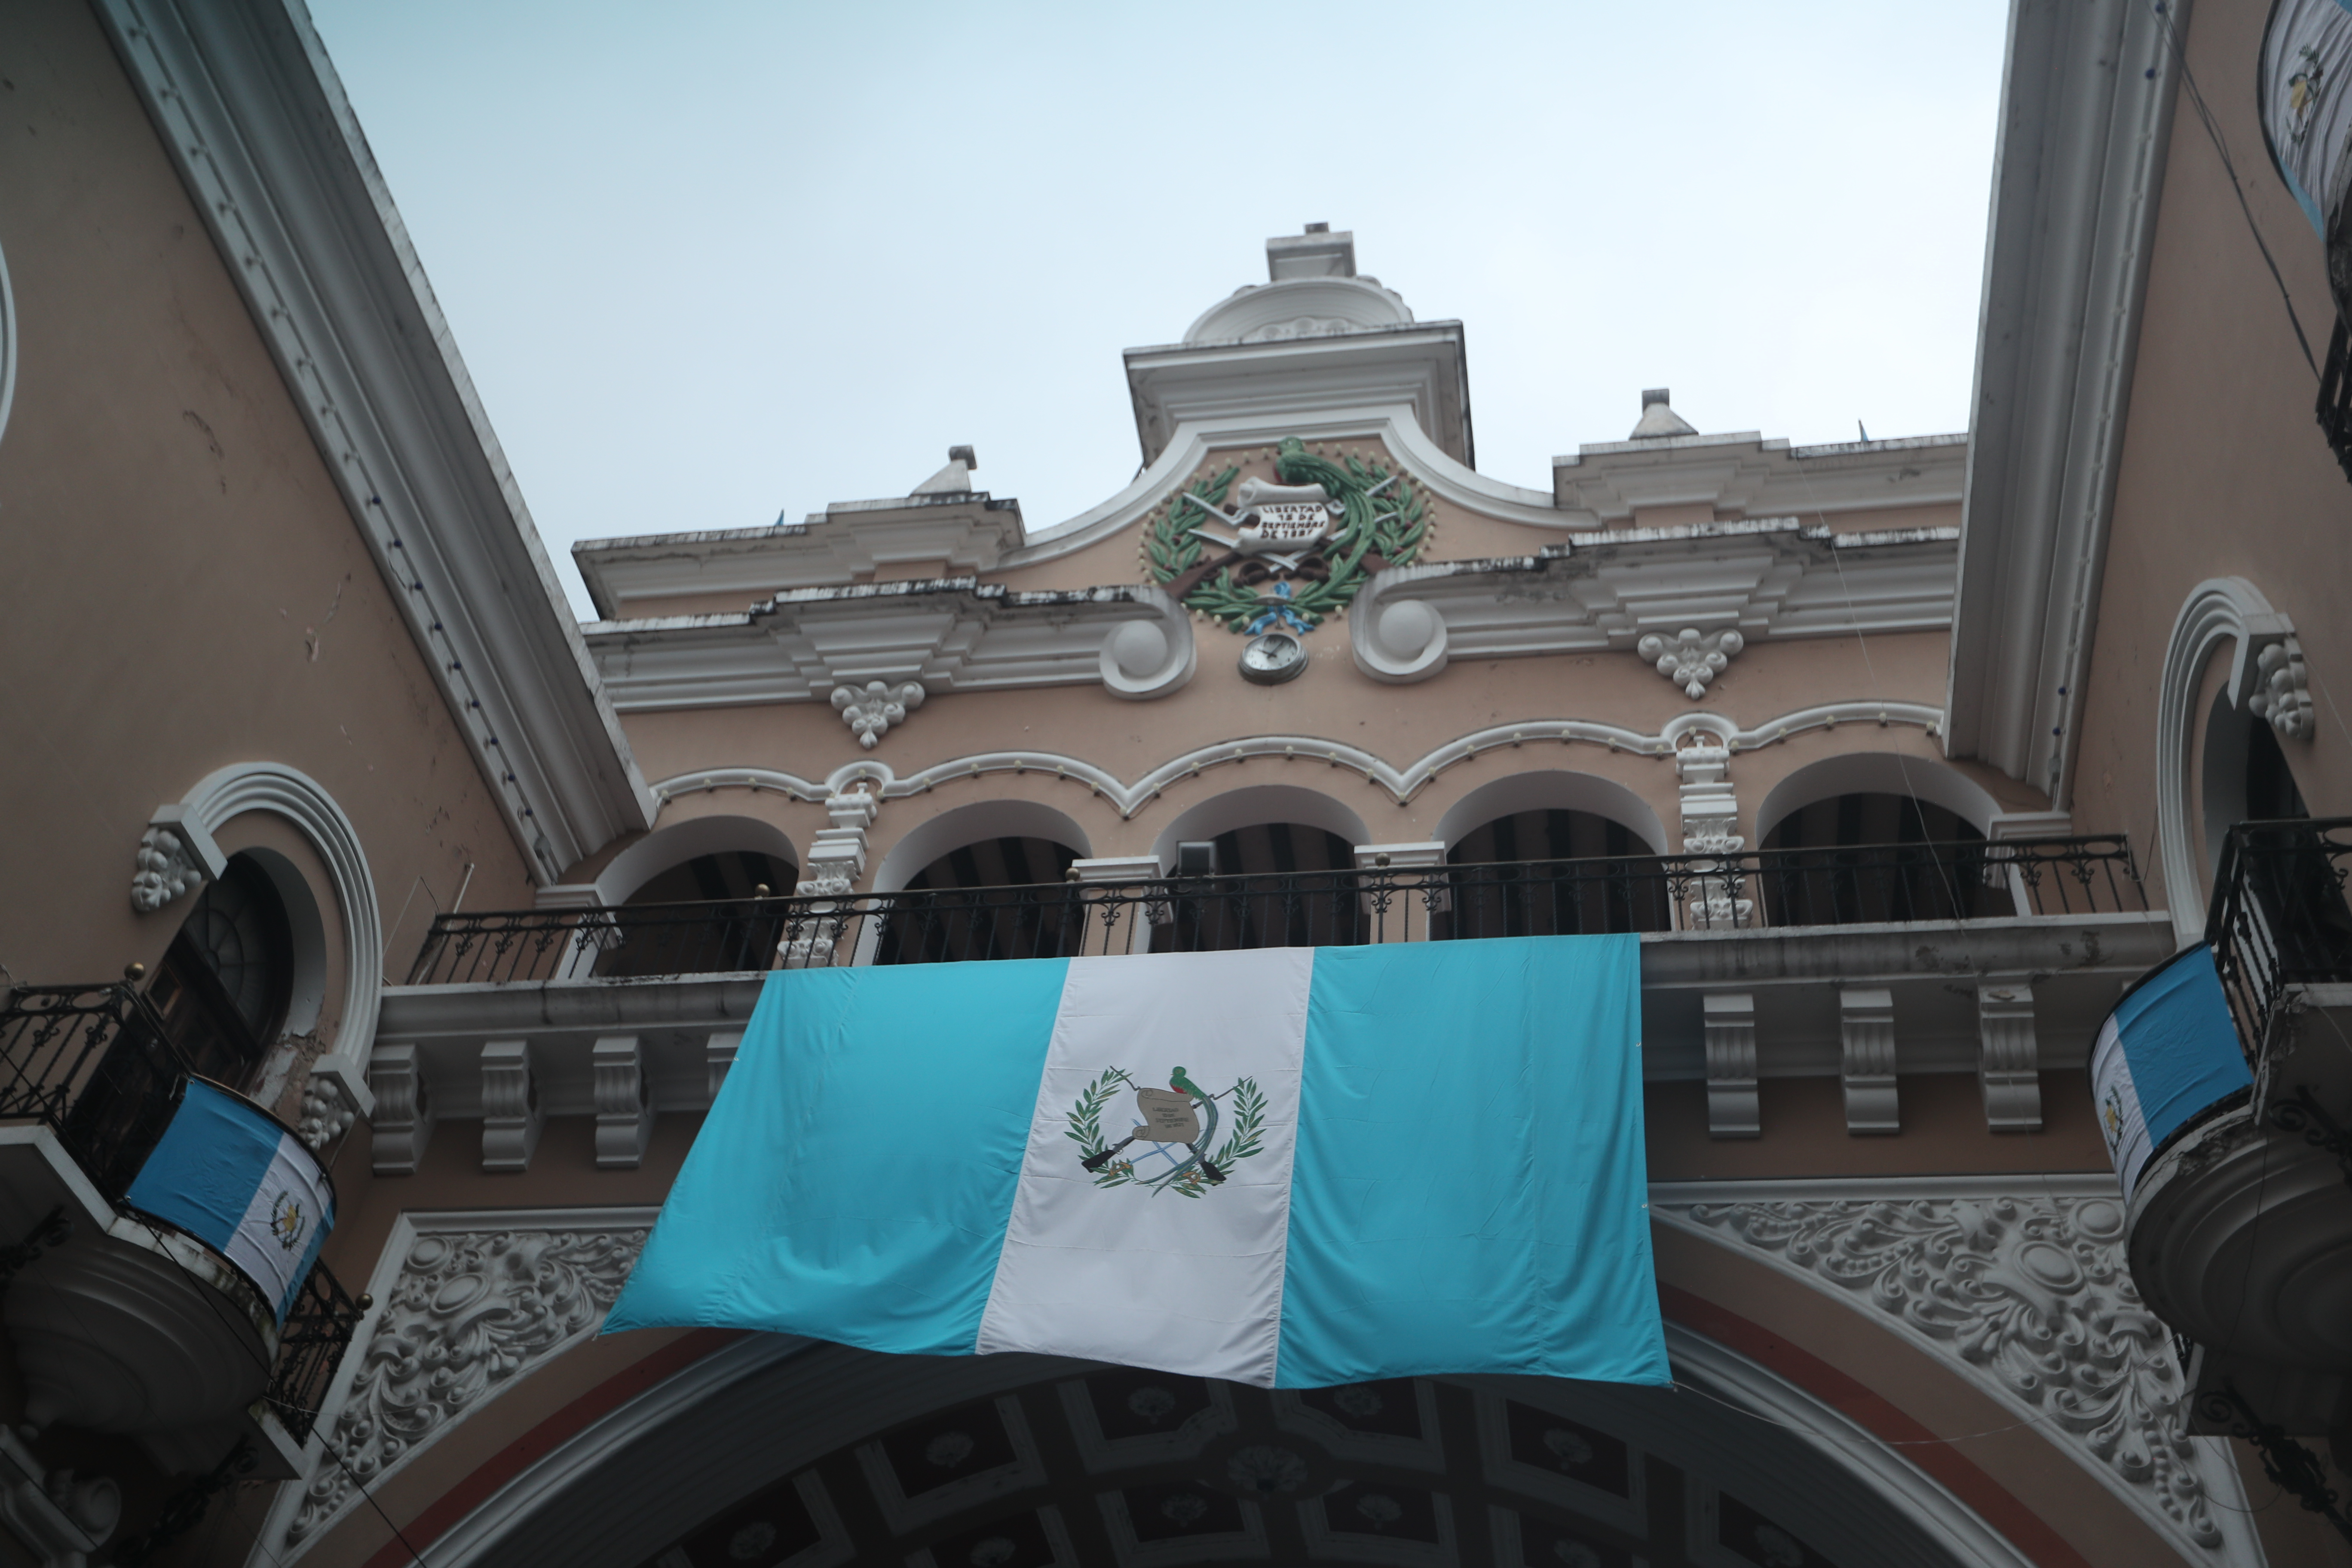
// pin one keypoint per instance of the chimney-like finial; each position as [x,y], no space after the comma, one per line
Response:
[962,455]
[1659,418]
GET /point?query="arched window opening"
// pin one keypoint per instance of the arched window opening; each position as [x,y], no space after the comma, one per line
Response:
[224,981]
[1868,858]
[221,992]
[703,916]
[711,878]
[1001,898]
[1275,884]
[1553,873]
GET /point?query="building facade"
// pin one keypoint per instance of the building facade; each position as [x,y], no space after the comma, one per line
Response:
[1907,760]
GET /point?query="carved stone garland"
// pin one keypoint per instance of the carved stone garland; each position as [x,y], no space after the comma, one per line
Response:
[470,1313]
[2032,1295]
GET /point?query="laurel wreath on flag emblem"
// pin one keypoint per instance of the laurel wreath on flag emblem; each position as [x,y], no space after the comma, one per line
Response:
[1383,523]
[1182,1117]
[286,1221]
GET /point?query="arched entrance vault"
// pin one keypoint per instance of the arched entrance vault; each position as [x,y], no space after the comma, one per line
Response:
[1941,1372]
[840,1456]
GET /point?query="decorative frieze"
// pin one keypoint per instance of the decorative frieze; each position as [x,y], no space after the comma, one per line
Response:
[1866,1030]
[466,1314]
[2030,1299]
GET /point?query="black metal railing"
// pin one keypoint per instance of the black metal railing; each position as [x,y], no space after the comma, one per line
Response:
[96,1065]
[2279,915]
[319,1329]
[2336,397]
[1812,887]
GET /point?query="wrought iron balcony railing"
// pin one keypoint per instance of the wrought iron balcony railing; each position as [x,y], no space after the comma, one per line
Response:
[2279,916]
[96,1066]
[319,1329]
[1780,888]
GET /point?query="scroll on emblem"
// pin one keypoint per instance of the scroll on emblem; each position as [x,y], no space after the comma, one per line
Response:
[1168,1117]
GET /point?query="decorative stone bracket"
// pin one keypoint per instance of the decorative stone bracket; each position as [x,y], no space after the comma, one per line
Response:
[1692,658]
[870,713]
[329,1105]
[2282,691]
[176,856]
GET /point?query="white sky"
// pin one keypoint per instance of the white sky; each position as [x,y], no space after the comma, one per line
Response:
[713,263]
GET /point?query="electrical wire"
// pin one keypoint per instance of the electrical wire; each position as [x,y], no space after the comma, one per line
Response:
[2229,168]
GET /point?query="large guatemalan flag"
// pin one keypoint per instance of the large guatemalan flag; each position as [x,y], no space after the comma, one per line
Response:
[1290,1166]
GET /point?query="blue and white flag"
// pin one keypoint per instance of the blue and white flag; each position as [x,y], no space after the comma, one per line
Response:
[2168,1053]
[228,1173]
[1290,1166]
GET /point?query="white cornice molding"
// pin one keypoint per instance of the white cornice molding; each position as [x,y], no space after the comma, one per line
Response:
[1391,424]
[1401,784]
[1744,472]
[256,120]
[948,635]
[1292,381]
[2086,115]
[1764,578]
[968,532]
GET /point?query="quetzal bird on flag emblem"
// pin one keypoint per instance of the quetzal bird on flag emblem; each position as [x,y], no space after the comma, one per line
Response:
[1173,1146]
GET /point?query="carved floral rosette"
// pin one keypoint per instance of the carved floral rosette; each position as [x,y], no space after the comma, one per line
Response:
[2031,1295]
[469,1313]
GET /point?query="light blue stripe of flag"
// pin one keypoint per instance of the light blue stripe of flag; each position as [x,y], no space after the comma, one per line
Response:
[2180,1042]
[853,1181]
[1470,1191]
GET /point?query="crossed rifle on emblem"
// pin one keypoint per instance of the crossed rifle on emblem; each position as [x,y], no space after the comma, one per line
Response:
[1169,1117]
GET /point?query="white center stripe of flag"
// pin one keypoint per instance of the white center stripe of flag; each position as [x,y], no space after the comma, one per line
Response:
[1147,1261]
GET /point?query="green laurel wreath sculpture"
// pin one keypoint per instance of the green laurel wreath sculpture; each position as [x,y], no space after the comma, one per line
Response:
[1383,529]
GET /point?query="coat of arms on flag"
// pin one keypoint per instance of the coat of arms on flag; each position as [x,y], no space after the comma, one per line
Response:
[1173,1146]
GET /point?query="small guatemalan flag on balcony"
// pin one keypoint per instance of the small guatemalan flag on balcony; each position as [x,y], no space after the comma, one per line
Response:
[229,1176]
[1290,1166]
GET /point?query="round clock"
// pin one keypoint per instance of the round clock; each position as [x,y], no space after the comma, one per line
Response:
[1271,658]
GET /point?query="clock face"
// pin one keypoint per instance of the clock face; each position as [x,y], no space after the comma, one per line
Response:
[1273,657]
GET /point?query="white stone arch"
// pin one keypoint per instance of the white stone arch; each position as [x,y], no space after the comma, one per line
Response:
[705,1436]
[1878,772]
[7,346]
[674,846]
[293,794]
[951,830]
[1253,805]
[1552,790]
[2217,610]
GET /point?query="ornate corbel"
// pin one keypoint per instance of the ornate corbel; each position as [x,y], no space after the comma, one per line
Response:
[2282,690]
[870,713]
[1691,658]
[176,856]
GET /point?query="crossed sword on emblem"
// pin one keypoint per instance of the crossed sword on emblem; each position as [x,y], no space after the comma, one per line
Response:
[1207,1102]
